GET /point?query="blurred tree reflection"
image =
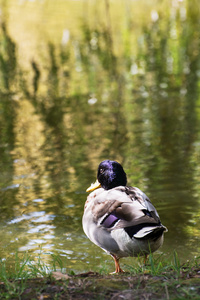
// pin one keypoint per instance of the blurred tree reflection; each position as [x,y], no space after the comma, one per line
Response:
[8,106]
[171,57]
[8,62]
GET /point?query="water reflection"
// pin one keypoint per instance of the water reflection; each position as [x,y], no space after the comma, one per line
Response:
[90,99]
[172,120]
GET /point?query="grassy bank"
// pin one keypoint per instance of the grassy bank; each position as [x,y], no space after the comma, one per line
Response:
[161,278]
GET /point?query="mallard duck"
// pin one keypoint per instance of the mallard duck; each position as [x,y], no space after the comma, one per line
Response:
[118,218]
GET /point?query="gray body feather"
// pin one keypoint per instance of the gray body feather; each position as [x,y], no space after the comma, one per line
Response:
[122,221]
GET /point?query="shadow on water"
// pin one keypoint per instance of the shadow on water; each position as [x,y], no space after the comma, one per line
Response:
[88,102]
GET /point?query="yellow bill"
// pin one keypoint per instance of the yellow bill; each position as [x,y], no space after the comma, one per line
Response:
[94,186]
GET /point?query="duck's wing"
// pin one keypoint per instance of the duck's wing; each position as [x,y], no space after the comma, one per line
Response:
[128,208]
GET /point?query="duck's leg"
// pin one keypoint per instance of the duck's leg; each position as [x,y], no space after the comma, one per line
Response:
[117,266]
[145,259]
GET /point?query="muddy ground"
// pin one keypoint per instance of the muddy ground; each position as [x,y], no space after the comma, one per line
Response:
[169,285]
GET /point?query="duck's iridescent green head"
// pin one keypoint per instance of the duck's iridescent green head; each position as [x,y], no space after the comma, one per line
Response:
[110,174]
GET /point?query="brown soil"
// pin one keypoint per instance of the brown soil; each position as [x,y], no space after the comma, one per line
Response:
[113,287]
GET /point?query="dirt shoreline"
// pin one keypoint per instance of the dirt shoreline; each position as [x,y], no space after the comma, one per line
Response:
[93,285]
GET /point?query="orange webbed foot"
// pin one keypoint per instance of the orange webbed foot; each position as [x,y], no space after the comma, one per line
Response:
[117,266]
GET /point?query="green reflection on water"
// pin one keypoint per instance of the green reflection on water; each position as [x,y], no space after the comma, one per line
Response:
[97,96]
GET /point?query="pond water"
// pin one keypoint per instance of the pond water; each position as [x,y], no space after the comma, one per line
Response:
[85,81]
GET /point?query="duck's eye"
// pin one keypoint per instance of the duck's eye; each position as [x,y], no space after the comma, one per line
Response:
[101,171]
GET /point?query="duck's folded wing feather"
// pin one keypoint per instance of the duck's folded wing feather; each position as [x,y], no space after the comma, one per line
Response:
[123,207]
[129,215]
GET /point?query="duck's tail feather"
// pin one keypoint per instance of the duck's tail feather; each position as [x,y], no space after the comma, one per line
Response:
[150,232]
[147,232]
